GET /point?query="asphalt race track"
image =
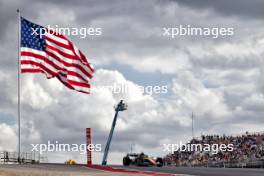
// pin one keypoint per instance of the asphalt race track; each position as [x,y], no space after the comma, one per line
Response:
[81,170]
[55,170]
[202,171]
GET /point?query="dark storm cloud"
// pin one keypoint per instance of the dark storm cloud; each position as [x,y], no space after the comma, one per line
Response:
[240,8]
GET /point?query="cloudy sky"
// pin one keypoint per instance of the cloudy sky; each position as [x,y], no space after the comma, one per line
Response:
[219,80]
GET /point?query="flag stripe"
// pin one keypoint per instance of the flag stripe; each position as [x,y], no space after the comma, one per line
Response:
[45,69]
[31,70]
[80,59]
[61,57]
[28,59]
[38,58]
[56,38]
[72,82]
[76,74]
[76,79]
[64,78]
[90,66]
[54,33]
[41,59]
[62,52]
[77,65]
[55,43]
[77,88]
[58,61]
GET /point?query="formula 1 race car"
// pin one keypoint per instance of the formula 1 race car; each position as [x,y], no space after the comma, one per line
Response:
[141,160]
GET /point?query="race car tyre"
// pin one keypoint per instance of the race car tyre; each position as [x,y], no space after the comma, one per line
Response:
[126,161]
[159,162]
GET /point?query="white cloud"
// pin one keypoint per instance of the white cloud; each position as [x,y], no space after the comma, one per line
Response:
[193,95]
[34,95]
[8,138]
[254,103]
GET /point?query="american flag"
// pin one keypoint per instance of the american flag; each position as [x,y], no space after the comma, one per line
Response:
[55,56]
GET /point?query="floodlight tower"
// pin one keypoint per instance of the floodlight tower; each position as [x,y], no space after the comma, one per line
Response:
[120,107]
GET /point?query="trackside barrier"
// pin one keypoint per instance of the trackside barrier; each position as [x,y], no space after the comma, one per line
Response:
[26,157]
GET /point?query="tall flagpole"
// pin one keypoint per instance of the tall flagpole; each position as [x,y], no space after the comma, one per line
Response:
[18,89]
[192,127]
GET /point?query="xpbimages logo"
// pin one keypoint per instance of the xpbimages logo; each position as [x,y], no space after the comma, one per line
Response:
[188,30]
[57,147]
[82,32]
[189,147]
